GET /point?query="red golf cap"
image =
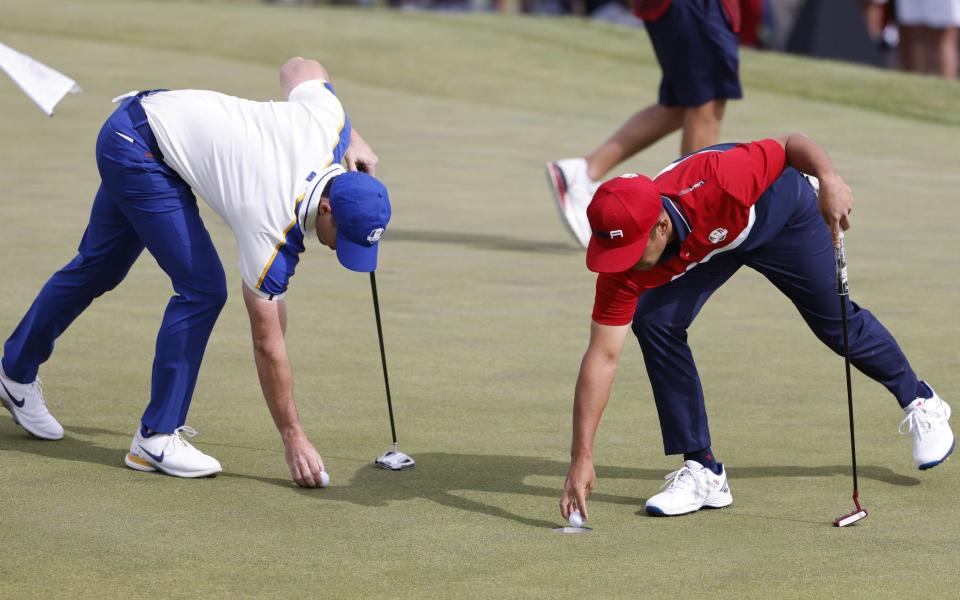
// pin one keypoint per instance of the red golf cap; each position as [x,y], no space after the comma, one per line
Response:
[621,215]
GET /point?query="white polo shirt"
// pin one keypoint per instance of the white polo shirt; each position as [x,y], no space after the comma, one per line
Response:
[261,166]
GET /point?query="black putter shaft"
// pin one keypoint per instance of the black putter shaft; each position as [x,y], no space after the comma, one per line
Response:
[843,292]
[383,358]
[846,360]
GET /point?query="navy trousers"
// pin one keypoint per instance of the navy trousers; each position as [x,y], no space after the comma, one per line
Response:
[697,52]
[141,203]
[792,247]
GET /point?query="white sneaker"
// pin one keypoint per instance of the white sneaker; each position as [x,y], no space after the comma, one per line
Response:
[170,453]
[25,403]
[690,489]
[573,190]
[933,441]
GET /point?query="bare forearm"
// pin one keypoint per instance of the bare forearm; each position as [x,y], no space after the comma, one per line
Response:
[807,156]
[268,325]
[359,156]
[834,197]
[355,137]
[590,400]
[276,382]
[597,370]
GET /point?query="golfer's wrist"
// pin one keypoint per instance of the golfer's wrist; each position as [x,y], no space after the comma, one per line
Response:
[292,433]
[828,179]
[581,454]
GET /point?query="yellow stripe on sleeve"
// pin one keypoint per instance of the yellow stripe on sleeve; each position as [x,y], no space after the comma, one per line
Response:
[276,250]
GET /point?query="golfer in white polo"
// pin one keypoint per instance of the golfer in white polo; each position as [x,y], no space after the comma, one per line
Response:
[273,172]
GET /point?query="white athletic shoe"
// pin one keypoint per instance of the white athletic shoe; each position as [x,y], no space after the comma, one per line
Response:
[170,453]
[25,403]
[573,190]
[690,489]
[933,441]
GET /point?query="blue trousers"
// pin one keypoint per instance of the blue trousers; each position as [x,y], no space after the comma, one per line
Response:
[792,247]
[141,203]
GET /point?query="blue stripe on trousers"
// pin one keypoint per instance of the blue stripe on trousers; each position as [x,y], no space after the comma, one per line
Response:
[141,203]
[791,246]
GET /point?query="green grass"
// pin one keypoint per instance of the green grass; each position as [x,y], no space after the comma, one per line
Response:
[486,309]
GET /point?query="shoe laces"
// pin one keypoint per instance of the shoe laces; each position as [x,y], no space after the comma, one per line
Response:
[178,434]
[681,478]
[922,418]
[36,385]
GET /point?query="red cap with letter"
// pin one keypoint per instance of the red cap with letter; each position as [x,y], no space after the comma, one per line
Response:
[621,215]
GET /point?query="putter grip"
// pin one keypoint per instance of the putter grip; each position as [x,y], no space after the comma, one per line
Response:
[840,254]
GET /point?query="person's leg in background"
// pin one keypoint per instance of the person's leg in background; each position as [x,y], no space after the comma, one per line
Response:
[947,51]
[701,126]
[696,47]
[641,130]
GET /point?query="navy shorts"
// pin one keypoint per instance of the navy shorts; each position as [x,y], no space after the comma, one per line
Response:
[697,52]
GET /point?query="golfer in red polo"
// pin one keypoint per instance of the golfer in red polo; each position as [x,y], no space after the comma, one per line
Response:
[662,247]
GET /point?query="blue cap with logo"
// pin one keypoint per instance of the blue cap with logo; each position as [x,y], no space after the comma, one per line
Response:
[361,209]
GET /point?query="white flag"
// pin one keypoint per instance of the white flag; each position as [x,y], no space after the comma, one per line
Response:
[45,86]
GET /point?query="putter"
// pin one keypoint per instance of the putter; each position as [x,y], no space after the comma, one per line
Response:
[392,459]
[843,292]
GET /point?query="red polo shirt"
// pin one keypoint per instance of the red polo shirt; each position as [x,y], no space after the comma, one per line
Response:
[714,192]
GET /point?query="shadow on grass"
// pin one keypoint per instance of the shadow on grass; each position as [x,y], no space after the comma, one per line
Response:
[483,241]
[444,478]
[14,439]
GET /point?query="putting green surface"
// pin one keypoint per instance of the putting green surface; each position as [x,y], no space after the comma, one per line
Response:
[486,306]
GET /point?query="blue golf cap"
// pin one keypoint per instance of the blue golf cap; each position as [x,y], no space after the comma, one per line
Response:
[361,208]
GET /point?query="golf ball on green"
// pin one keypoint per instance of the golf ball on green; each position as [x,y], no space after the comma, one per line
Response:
[324,479]
[576,520]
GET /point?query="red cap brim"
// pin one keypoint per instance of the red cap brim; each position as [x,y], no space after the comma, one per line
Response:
[614,259]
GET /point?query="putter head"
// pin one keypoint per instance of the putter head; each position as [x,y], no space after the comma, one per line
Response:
[394,460]
[850,519]
[853,517]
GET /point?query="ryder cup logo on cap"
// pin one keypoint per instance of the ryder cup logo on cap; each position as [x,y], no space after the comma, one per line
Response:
[375,235]
[621,215]
[361,210]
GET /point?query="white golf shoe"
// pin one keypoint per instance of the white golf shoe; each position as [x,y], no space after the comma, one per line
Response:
[573,190]
[170,453]
[25,403]
[933,440]
[690,489]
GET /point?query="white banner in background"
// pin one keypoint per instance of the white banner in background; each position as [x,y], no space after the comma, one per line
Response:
[45,86]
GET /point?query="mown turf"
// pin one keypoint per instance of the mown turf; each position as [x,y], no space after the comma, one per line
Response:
[486,309]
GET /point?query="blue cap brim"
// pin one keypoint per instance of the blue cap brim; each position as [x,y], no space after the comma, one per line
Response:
[356,257]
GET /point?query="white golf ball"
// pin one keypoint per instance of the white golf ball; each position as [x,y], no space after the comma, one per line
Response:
[324,479]
[576,520]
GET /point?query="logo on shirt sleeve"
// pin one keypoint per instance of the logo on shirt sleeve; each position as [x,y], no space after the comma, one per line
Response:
[686,191]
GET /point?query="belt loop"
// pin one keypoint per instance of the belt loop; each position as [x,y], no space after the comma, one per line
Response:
[138,118]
